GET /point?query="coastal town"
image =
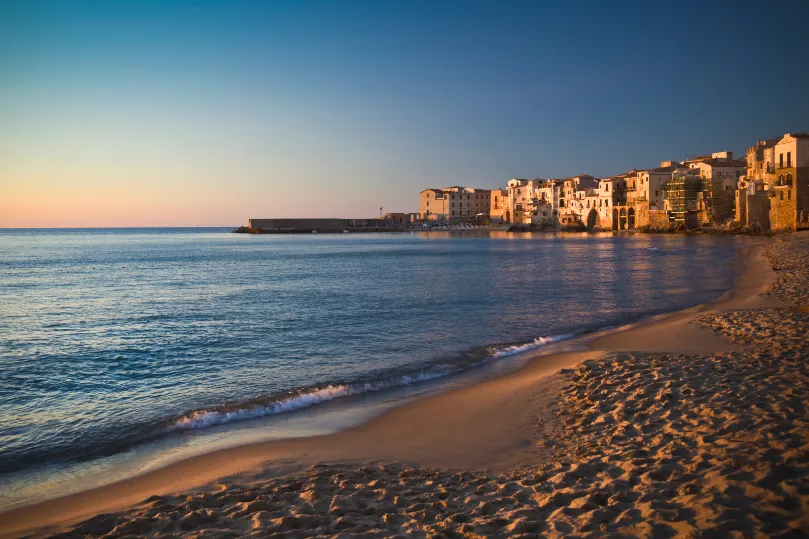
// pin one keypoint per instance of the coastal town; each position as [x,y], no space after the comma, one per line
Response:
[768,190]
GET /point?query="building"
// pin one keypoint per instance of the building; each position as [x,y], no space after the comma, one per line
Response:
[753,205]
[777,170]
[454,203]
[616,199]
[522,200]
[650,185]
[761,160]
[693,200]
[789,193]
[433,205]
[397,219]
[497,207]
[727,170]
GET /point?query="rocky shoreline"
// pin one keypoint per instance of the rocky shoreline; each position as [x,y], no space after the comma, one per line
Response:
[645,444]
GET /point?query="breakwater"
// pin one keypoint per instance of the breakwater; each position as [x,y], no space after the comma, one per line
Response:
[323,225]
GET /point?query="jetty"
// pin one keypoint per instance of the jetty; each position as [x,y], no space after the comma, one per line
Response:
[321,225]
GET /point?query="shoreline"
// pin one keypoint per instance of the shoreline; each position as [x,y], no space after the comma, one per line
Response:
[485,426]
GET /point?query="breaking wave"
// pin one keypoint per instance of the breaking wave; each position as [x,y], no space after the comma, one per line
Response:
[305,398]
[536,343]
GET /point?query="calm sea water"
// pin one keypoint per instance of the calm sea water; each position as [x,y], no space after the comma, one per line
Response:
[114,338]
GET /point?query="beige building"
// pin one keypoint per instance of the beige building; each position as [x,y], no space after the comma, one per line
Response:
[433,205]
[453,203]
[727,170]
[613,200]
[521,197]
[497,209]
[650,185]
[574,189]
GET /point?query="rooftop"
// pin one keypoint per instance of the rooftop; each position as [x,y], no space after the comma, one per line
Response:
[725,163]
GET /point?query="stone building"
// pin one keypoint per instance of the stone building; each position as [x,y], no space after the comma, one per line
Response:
[778,168]
[789,196]
[753,205]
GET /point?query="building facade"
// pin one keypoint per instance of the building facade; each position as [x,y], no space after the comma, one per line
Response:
[789,198]
[454,203]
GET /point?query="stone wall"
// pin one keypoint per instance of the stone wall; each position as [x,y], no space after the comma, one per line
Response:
[783,208]
[741,206]
[659,219]
[801,183]
[758,210]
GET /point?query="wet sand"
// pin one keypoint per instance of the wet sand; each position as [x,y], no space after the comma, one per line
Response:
[692,425]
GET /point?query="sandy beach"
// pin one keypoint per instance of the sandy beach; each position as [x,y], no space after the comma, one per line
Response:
[695,425]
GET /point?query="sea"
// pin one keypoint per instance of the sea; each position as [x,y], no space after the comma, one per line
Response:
[124,349]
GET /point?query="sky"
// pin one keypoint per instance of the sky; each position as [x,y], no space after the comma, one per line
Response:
[207,113]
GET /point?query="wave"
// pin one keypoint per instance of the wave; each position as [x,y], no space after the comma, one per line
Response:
[305,398]
[298,400]
[536,343]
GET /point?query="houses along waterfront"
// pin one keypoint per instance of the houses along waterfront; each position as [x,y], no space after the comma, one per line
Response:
[767,191]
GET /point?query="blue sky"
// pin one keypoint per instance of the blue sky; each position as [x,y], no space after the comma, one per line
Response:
[209,112]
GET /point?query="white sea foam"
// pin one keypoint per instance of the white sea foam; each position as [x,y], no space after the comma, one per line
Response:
[536,343]
[205,418]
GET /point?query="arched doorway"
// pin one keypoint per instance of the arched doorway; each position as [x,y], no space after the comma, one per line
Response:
[507,216]
[622,221]
[615,219]
[592,220]
[630,218]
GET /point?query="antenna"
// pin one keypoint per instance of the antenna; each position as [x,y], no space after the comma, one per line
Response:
[380,212]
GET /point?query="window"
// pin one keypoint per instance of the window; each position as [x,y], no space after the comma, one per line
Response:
[428,203]
[453,204]
[789,178]
[789,159]
[789,195]
[781,160]
[782,195]
[655,193]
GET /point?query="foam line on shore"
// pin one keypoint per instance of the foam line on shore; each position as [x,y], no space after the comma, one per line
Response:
[305,398]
